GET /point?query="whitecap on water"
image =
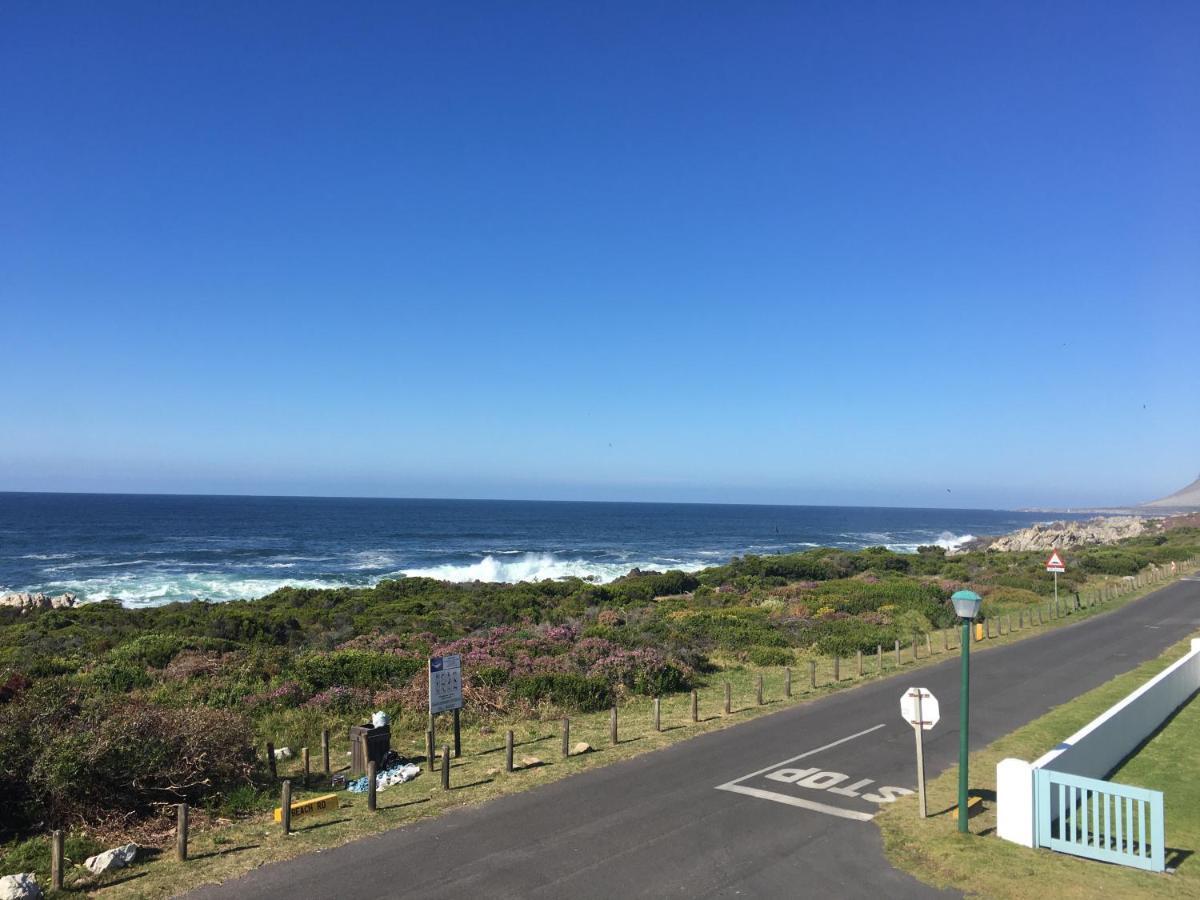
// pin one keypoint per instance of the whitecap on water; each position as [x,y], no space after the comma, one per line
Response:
[535,567]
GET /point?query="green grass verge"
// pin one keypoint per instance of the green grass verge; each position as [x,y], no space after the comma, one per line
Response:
[981,864]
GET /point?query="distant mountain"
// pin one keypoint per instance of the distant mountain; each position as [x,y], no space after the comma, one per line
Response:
[1187,498]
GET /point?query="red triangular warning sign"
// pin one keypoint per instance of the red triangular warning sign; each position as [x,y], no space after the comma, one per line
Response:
[1055,563]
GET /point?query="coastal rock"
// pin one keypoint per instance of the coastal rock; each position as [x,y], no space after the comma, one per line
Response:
[530,762]
[19,887]
[1066,535]
[116,858]
[25,601]
[581,747]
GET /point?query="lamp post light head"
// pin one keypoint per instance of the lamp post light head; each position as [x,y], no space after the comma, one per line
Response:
[966,604]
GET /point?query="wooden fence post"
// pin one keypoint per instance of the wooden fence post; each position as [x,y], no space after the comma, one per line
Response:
[508,751]
[812,674]
[928,644]
[325,751]
[429,754]
[728,699]
[759,692]
[304,762]
[898,663]
[566,737]
[695,705]
[457,735]
[445,767]
[271,760]
[837,668]
[657,714]
[914,645]
[181,831]
[612,726]
[879,659]
[56,860]
[285,804]
[787,681]
[371,785]
[945,640]
[859,668]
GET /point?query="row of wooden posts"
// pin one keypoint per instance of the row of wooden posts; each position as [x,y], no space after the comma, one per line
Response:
[1002,624]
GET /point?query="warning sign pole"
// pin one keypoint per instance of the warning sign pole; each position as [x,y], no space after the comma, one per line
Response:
[1055,564]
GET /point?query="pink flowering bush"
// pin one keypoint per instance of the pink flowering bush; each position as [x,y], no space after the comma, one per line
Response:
[340,699]
[285,695]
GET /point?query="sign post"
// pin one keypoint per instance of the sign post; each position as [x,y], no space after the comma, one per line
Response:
[445,694]
[1055,564]
[920,709]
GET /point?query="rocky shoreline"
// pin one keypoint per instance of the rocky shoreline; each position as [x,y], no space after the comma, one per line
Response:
[25,601]
[1067,535]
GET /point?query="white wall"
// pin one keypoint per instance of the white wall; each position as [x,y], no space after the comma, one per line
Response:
[1100,746]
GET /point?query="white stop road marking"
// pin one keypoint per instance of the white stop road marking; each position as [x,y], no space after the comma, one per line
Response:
[816,779]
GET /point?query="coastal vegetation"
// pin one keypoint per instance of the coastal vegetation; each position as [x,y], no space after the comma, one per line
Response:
[109,714]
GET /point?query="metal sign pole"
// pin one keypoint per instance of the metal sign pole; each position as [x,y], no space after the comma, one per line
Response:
[1056,593]
[919,728]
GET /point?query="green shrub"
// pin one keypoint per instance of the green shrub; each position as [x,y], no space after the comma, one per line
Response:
[153,650]
[576,692]
[658,680]
[68,757]
[771,656]
[355,668]
[843,637]
[119,677]
[489,676]
[1111,561]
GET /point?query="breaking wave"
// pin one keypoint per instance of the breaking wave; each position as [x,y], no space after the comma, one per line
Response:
[946,540]
[151,590]
[539,567]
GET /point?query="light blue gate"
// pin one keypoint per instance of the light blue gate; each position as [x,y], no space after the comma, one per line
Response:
[1100,820]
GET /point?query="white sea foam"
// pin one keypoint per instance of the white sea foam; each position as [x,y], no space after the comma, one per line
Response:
[372,559]
[151,589]
[947,540]
[537,567]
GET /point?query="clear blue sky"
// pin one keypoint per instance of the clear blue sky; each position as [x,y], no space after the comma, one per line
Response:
[783,252]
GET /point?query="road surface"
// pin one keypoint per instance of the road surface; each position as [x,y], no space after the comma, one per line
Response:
[777,807]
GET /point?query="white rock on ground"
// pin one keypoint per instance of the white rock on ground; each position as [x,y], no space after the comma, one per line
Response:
[19,887]
[116,858]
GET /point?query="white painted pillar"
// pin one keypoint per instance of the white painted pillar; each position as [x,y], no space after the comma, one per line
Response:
[1015,810]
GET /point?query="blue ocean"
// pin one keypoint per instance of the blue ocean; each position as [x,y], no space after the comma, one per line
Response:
[152,549]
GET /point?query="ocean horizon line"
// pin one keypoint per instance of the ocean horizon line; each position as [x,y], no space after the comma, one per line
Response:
[237,496]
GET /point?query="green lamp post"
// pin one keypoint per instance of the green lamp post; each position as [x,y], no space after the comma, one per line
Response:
[966,607]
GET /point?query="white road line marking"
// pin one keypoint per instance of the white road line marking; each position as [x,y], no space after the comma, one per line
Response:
[730,784]
[798,801]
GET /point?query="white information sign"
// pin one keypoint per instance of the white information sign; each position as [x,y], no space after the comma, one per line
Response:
[930,713]
[445,683]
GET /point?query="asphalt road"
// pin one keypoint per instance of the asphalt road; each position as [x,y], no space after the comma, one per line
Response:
[704,818]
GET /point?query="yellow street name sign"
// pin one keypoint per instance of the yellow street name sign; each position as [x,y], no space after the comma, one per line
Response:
[308,807]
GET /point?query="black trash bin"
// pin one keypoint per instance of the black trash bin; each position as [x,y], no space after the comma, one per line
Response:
[378,742]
